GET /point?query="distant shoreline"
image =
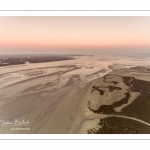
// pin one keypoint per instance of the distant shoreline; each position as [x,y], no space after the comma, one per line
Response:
[27,59]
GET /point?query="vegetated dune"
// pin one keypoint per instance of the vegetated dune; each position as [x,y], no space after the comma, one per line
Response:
[133,107]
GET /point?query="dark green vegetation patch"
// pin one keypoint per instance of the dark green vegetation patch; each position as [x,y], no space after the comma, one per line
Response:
[115,125]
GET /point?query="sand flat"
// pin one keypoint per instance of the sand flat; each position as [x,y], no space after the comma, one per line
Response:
[54,97]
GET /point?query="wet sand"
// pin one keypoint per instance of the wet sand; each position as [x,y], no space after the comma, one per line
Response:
[54,98]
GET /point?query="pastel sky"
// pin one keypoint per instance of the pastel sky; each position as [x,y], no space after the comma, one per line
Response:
[73,34]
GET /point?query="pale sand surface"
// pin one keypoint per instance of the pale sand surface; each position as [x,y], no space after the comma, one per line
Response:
[54,98]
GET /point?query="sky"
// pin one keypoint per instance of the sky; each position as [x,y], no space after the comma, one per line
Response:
[74,35]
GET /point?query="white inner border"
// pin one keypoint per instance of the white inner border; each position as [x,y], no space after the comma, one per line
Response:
[74,4]
[74,13]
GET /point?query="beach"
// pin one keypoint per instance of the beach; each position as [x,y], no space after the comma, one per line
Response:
[52,97]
